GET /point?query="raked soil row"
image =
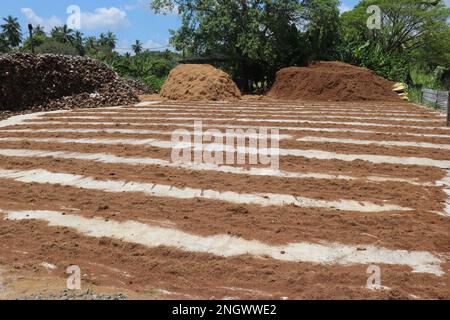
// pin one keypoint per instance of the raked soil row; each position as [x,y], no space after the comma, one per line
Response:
[360,185]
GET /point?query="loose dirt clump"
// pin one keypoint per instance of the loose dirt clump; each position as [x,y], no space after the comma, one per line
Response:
[331,81]
[44,82]
[196,82]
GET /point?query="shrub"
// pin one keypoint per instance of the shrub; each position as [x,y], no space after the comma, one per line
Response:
[55,47]
[4,46]
[390,66]
[154,82]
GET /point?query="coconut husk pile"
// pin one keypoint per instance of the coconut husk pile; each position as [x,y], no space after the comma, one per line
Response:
[45,82]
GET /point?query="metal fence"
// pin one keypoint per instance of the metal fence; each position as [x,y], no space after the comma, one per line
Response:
[440,98]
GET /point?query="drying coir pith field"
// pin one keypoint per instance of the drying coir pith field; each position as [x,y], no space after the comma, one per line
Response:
[360,184]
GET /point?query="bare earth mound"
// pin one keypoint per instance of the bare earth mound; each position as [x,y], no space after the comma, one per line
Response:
[198,82]
[331,81]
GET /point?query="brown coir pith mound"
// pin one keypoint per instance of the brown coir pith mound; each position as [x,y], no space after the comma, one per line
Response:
[331,81]
[198,82]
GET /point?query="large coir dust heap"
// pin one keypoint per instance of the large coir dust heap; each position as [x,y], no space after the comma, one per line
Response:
[331,81]
[198,82]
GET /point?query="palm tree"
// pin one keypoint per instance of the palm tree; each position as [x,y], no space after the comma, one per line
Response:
[12,31]
[78,43]
[63,34]
[39,30]
[137,47]
[103,41]
[111,40]
[90,43]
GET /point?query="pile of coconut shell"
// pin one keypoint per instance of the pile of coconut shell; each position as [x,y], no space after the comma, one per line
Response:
[33,82]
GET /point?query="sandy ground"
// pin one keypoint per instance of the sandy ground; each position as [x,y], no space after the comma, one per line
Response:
[135,244]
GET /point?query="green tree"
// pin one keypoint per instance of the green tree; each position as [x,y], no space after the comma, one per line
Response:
[108,40]
[407,26]
[53,46]
[39,31]
[63,34]
[12,31]
[37,40]
[137,47]
[256,37]
[4,44]
[78,43]
[321,22]
[90,43]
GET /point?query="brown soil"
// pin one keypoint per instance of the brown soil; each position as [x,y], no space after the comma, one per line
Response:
[113,263]
[293,164]
[197,82]
[112,266]
[151,97]
[331,81]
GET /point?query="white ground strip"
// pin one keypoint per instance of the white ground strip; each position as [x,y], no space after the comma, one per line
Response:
[232,126]
[158,190]
[279,107]
[404,112]
[227,246]
[113,159]
[310,154]
[17,120]
[147,103]
[134,112]
[134,142]
[256,119]
[364,124]
[143,132]
[445,183]
[378,143]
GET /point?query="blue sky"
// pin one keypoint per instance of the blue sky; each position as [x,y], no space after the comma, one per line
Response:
[129,19]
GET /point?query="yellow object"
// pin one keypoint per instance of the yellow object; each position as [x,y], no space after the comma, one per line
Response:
[399,87]
[404,96]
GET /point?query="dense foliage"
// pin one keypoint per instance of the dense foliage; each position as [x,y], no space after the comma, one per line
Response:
[260,36]
[413,33]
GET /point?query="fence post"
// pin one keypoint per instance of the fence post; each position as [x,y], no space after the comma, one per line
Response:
[448,109]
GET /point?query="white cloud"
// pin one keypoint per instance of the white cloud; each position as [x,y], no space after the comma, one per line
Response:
[101,18]
[34,19]
[150,44]
[125,46]
[104,18]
